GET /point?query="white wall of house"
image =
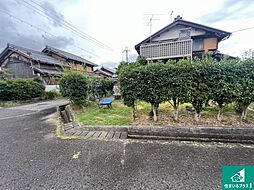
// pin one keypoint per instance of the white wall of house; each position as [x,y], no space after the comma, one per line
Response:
[51,88]
[173,33]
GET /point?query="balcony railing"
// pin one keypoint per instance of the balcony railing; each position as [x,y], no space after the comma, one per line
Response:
[164,50]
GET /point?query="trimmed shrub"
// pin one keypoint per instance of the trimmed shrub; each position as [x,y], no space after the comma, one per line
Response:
[51,95]
[5,91]
[74,86]
[98,87]
[20,89]
[193,81]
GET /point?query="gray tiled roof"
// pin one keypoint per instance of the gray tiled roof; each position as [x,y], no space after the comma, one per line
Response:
[108,69]
[54,72]
[35,55]
[68,55]
[98,71]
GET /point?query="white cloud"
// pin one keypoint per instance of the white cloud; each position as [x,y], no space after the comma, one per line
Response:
[119,23]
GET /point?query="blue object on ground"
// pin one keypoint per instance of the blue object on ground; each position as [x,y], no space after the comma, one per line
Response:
[106,101]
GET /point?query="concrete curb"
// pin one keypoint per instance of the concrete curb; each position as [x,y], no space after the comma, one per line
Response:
[234,134]
[203,133]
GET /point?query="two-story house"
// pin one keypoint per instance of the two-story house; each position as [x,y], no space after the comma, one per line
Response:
[181,39]
[78,63]
[21,62]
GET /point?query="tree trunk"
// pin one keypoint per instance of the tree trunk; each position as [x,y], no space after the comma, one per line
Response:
[245,112]
[151,112]
[197,116]
[243,115]
[134,114]
[155,110]
[176,113]
[176,106]
[220,113]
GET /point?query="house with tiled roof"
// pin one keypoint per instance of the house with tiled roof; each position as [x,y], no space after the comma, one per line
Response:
[49,64]
[105,72]
[27,63]
[79,63]
[181,39]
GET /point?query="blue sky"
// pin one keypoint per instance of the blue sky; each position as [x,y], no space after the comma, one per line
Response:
[115,24]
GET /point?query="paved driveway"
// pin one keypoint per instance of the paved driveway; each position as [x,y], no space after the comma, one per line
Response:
[32,158]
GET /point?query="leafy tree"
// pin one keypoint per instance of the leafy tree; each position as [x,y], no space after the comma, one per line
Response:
[130,87]
[221,81]
[99,87]
[73,85]
[153,85]
[141,60]
[178,83]
[249,54]
[245,87]
[199,92]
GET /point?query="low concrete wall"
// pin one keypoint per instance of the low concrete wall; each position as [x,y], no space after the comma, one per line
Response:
[204,133]
[235,134]
[199,133]
[51,88]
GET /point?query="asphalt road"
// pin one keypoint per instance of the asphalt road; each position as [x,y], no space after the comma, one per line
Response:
[31,157]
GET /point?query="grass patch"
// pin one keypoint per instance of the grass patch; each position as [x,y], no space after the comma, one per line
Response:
[118,115]
[121,115]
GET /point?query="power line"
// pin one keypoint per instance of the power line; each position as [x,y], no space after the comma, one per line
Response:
[46,32]
[240,30]
[67,25]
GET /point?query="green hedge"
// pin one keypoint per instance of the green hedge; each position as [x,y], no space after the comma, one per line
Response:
[51,95]
[74,87]
[195,81]
[98,87]
[20,89]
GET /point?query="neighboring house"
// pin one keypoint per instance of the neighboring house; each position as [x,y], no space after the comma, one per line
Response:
[79,63]
[181,39]
[49,64]
[21,62]
[105,72]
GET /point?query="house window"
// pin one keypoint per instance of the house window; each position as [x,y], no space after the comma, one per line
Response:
[198,45]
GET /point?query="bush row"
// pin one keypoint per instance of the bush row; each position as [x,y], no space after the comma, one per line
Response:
[99,87]
[77,87]
[194,81]
[20,89]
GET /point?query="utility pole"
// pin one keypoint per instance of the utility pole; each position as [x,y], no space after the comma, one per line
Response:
[126,51]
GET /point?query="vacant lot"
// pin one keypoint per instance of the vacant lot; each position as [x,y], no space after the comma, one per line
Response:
[121,115]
